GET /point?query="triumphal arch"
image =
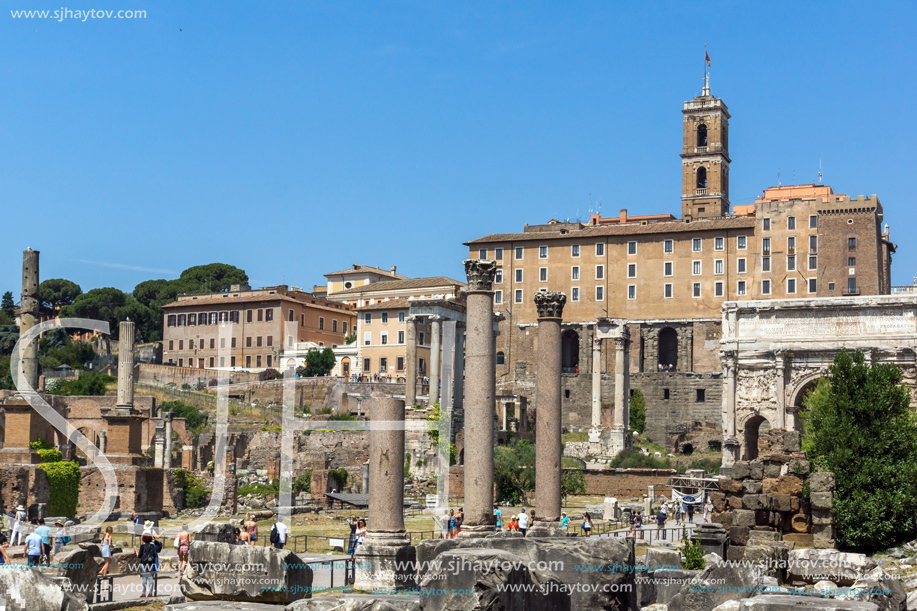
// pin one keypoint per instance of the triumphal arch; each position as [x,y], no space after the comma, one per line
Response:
[774,351]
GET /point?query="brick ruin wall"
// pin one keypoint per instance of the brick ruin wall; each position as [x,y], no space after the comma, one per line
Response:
[764,501]
[624,484]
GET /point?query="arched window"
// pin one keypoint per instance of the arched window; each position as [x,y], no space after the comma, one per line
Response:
[501,358]
[701,135]
[668,350]
[702,178]
[569,351]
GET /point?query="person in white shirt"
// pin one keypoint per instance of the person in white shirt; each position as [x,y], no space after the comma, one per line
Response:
[18,526]
[523,521]
[281,537]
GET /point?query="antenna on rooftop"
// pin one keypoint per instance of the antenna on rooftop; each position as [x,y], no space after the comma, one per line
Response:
[778,177]
[820,175]
[794,177]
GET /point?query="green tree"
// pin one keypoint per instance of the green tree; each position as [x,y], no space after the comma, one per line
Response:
[319,362]
[859,426]
[196,420]
[89,383]
[7,304]
[56,293]
[637,411]
[572,482]
[514,471]
[6,376]
[9,335]
[110,304]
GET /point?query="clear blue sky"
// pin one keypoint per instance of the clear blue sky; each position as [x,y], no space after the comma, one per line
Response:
[296,138]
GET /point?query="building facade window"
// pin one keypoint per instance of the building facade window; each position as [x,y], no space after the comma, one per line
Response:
[667,291]
[543,274]
[765,287]
[420,338]
[367,338]
[631,248]
[321,323]
[696,268]
[813,263]
[696,289]
[258,361]
[518,296]
[668,269]
[813,243]
[600,293]
[575,293]
[766,224]
[367,364]
[171,320]
[668,246]
[518,254]
[291,319]
[740,265]
[258,341]
[718,289]
[399,363]
[574,250]
[599,272]
[766,246]
[791,263]
[631,291]
[791,223]
[740,288]
[248,316]
[384,318]
[498,296]
[695,244]
[401,318]
[384,338]
[482,253]
[498,254]
[542,252]
[631,270]
[518,275]
[498,276]
[813,221]
[401,337]
[269,315]
[851,243]
[574,272]
[367,318]
[791,286]
[718,267]
[741,242]
[501,358]
[718,243]
[600,249]
[813,285]
[334,325]
[765,264]
[791,245]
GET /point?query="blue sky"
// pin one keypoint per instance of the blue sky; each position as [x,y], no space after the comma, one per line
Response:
[296,138]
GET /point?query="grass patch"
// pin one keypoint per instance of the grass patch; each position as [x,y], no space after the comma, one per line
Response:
[577,437]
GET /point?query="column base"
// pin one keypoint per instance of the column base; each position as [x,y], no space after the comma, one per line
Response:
[476,532]
[385,562]
[607,443]
[731,449]
[546,529]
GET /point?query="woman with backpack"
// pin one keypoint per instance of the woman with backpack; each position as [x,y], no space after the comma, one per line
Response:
[148,555]
[587,523]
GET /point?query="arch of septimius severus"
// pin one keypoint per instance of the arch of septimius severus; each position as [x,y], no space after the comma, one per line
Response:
[774,351]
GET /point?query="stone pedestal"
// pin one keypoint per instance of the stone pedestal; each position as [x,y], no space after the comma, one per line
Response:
[124,435]
[378,560]
[480,400]
[548,444]
[546,529]
[713,538]
[158,446]
[22,426]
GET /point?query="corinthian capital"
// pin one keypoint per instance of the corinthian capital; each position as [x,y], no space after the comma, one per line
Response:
[550,304]
[480,274]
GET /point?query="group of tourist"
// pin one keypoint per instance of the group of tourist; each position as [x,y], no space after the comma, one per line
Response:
[666,368]
[521,522]
[451,524]
[40,544]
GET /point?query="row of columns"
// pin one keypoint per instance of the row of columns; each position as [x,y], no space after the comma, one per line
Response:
[442,358]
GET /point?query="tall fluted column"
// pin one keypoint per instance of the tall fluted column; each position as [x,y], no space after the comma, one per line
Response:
[480,403]
[126,365]
[410,361]
[780,371]
[596,383]
[458,383]
[386,559]
[730,443]
[619,432]
[167,433]
[29,315]
[548,445]
[436,327]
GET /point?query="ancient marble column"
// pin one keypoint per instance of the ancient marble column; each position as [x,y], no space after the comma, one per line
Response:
[730,443]
[365,487]
[167,437]
[458,381]
[436,327]
[29,315]
[382,559]
[780,372]
[126,364]
[480,399]
[619,432]
[596,383]
[548,445]
[410,361]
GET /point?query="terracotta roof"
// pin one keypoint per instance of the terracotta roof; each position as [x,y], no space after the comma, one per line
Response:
[398,285]
[235,301]
[391,304]
[732,222]
[363,269]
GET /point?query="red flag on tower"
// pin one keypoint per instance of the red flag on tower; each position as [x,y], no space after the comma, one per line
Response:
[707,57]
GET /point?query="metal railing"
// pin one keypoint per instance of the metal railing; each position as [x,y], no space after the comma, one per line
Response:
[106,595]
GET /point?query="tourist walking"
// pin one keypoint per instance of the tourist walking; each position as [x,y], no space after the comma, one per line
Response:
[499,517]
[19,526]
[587,524]
[638,524]
[61,538]
[44,531]
[523,521]
[148,555]
[513,525]
[4,559]
[252,527]
[33,549]
[106,552]
[452,524]
[459,518]
[183,547]
[352,543]
[279,533]
[661,517]
[564,519]
[708,509]
[691,513]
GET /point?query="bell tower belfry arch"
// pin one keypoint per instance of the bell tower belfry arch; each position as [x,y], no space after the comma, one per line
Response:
[705,156]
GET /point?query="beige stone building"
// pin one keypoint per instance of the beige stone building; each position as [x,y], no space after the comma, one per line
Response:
[263,323]
[666,279]
[382,309]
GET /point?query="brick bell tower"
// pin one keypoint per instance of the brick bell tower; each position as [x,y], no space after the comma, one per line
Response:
[705,157]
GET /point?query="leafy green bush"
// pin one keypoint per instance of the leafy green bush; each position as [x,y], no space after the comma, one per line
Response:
[303,483]
[52,455]
[40,444]
[195,419]
[635,459]
[89,383]
[63,487]
[186,386]
[324,411]
[196,495]
[340,477]
[345,417]
[258,489]
[637,411]
[270,374]
[859,426]
[709,465]
[572,482]
[514,471]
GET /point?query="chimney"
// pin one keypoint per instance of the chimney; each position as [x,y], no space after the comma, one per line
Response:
[623,215]
[393,268]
